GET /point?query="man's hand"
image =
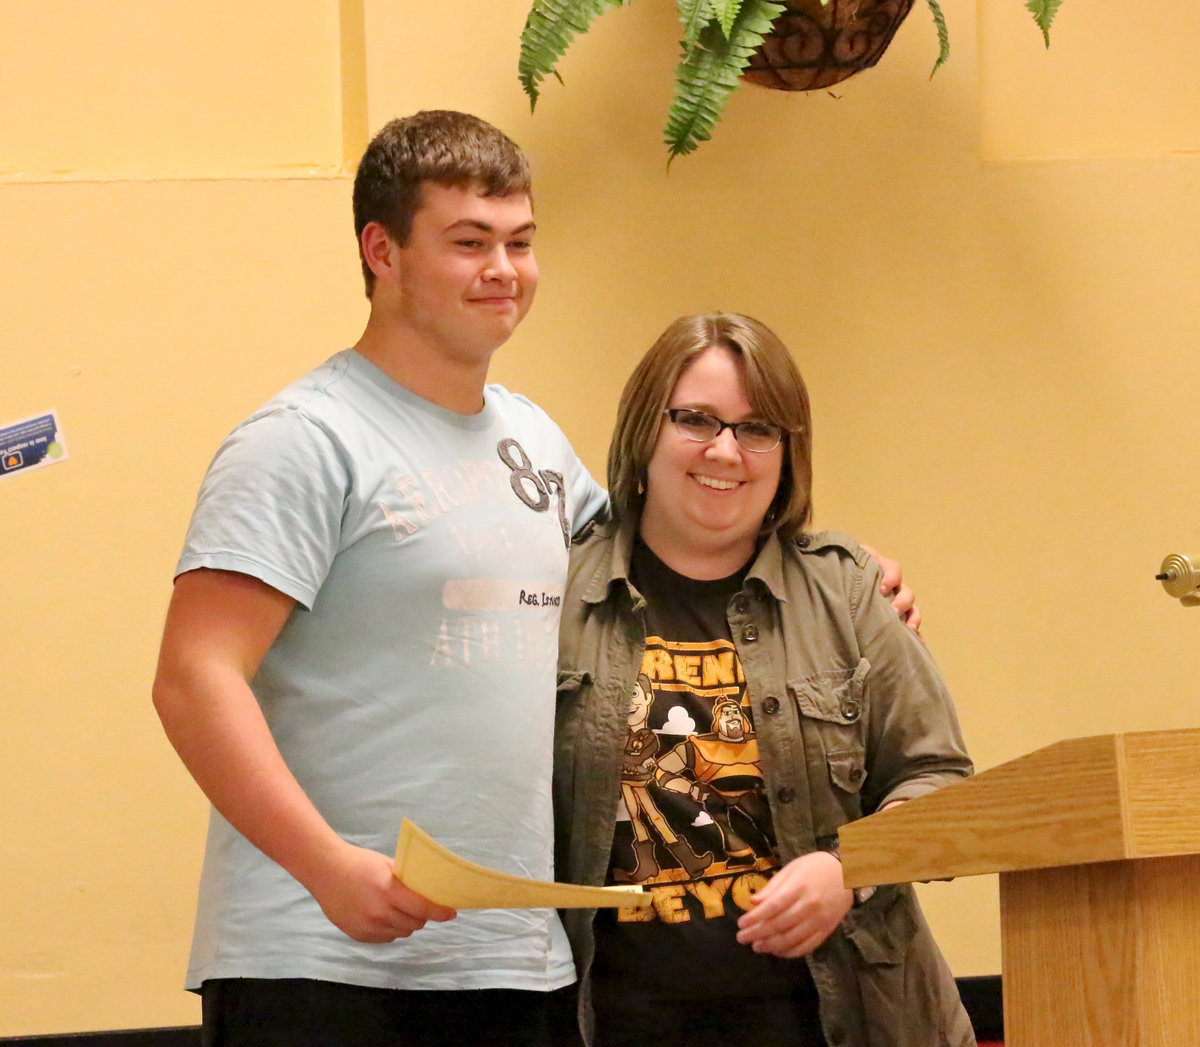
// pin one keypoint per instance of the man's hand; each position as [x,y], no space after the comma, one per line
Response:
[798,909]
[904,600]
[361,897]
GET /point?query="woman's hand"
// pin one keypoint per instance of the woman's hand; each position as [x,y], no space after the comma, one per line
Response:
[798,909]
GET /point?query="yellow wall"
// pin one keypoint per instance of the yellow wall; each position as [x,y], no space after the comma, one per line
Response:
[988,280]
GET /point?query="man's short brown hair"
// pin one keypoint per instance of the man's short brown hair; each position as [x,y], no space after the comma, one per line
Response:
[436,145]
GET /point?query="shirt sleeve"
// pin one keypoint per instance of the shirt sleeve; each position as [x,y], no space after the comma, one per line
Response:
[589,498]
[271,505]
[587,501]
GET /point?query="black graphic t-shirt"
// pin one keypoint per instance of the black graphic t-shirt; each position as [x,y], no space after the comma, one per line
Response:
[693,822]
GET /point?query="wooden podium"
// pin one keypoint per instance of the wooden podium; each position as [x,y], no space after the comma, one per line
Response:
[1097,843]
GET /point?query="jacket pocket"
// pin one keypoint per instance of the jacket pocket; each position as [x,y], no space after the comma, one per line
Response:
[848,769]
[831,704]
[833,695]
[574,688]
[568,705]
[570,680]
[909,996]
[572,775]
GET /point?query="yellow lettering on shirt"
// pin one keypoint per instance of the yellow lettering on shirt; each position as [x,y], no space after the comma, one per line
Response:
[745,888]
[711,896]
[668,904]
[657,664]
[718,669]
[687,669]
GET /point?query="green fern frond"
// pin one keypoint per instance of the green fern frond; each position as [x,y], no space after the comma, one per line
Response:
[1043,12]
[709,73]
[726,12]
[549,29]
[719,36]
[943,33]
[695,15]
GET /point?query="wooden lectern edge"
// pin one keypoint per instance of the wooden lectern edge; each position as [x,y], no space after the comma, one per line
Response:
[1096,814]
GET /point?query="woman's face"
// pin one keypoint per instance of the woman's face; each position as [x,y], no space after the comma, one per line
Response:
[705,502]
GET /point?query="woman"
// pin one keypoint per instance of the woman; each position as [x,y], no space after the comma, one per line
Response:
[739,689]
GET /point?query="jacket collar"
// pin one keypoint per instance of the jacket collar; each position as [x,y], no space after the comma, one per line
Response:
[612,568]
[768,567]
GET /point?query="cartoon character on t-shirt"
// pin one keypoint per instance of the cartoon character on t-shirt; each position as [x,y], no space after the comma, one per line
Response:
[721,771]
[637,772]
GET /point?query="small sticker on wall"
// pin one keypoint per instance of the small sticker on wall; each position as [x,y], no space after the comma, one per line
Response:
[30,443]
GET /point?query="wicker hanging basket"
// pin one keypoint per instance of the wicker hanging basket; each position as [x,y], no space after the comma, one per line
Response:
[812,45]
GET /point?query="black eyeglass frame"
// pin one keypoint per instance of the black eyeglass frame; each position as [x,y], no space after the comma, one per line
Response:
[738,428]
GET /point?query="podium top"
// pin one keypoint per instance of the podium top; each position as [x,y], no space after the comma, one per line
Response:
[1106,798]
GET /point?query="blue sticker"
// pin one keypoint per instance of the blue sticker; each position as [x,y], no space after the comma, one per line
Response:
[31,442]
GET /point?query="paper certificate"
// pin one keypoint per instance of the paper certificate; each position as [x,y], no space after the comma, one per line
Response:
[428,868]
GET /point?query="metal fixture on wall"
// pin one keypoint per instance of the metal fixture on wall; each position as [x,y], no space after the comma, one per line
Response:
[1181,579]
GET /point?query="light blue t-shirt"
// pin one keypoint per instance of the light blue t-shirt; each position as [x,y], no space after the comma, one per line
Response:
[428,553]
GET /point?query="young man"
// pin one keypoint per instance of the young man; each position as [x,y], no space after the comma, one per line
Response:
[348,641]
[364,627]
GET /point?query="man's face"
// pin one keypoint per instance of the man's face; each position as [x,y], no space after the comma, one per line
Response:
[730,725]
[467,275]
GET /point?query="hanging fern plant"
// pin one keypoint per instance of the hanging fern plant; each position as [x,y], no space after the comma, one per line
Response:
[720,39]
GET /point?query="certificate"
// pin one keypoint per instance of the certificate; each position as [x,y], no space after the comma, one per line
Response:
[425,866]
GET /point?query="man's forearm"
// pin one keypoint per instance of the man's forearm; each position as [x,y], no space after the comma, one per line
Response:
[214,722]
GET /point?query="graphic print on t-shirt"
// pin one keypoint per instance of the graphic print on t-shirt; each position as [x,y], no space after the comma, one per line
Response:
[693,826]
[496,531]
[691,776]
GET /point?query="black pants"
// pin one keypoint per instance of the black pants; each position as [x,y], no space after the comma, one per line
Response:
[627,1020]
[297,1012]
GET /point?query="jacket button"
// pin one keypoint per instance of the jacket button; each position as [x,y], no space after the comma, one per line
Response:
[787,794]
[771,705]
[750,633]
[740,603]
[851,709]
[856,775]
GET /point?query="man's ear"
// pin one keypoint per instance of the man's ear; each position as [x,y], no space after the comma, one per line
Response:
[378,249]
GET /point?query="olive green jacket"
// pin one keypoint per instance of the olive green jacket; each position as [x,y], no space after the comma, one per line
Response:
[850,713]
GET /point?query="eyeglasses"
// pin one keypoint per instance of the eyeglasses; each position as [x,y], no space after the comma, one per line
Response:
[753,436]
